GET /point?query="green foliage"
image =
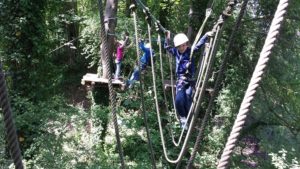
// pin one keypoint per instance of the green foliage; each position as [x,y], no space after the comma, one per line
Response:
[280,160]
[34,49]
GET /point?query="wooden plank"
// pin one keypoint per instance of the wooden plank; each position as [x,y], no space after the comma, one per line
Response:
[93,79]
[167,84]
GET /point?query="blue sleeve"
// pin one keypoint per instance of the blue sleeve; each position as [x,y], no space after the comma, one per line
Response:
[170,49]
[193,67]
[141,45]
[200,42]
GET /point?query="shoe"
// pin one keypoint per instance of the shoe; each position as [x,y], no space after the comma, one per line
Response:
[116,80]
[183,122]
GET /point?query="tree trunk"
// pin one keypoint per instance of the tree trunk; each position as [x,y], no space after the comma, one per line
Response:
[110,19]
[196,16]
[72,32]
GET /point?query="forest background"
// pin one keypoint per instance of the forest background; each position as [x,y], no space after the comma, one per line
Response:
[47,46]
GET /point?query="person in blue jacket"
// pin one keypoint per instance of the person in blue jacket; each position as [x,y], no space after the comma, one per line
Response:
[185,70]
[145,60]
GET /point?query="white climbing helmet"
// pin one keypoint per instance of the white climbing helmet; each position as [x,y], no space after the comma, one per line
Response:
[147,45]
[180,39]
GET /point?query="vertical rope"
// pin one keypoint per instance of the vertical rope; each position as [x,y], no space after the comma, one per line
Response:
[162,68]
[142,91]
[217,83]
[254,83]
[164,92]
[110,86]
[10,128]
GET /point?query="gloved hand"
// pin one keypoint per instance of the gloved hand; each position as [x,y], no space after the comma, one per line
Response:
[141,40]
[210,33]
[188,65]
[117,61]
[168,35]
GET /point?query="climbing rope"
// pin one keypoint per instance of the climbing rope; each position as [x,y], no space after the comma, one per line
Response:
[110,86]
[203,66]
[201,84]
[216,86]
[133,8]
[195,111]
[10,128]
[207,15]
[254,83]
[164,92]
[184,147]
[196,99]
[217,28]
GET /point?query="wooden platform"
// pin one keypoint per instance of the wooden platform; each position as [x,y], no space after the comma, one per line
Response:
[92,79]
[167,84]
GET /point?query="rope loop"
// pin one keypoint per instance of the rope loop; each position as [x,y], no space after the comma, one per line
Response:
[132,8]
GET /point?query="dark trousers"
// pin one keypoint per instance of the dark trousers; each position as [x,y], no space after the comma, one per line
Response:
[183,100]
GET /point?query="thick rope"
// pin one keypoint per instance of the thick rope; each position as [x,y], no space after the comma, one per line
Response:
[10,128]
[142,91]
[254,83]
[172,83]
[112,95]
[217,84]
[162,69]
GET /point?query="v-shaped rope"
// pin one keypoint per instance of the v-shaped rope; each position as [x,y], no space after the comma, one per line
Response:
[216,85]
[207,15]
[197,108]
[183,148]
